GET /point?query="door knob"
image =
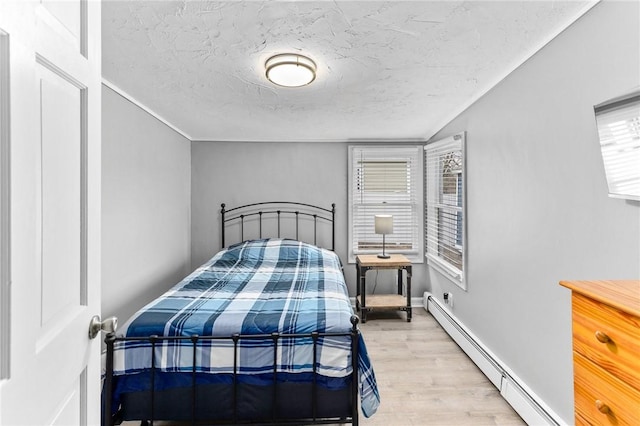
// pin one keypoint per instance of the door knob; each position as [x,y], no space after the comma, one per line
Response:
[96,325]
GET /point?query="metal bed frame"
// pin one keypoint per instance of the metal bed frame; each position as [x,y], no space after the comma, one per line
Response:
[275,418]
[281,208]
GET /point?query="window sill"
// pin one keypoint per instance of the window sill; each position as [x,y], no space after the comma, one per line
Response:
[454,275]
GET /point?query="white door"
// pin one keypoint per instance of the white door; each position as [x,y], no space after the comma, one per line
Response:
[51,61]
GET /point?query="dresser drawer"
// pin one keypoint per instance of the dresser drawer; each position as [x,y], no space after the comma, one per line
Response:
[601,398]
[608,337]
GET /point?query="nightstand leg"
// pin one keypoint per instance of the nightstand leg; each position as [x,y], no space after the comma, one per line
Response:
[362,278]
[363,303]
[357,287]
[408,269]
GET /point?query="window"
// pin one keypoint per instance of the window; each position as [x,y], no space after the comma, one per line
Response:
[444,207]
[385,180]
[618,123]
[5,295]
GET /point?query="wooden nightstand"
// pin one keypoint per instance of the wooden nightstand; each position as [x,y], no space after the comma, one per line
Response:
[366,303]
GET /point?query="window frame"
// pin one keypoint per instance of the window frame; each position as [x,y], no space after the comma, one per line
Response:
[415,181]
[433,206]
[618,125]
[5,210]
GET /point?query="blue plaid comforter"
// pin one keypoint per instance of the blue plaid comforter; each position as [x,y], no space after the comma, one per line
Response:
[253,288]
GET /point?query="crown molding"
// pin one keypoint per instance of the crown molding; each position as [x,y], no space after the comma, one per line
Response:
[145,108]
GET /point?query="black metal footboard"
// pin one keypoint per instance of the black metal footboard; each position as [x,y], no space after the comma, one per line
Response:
[155,401]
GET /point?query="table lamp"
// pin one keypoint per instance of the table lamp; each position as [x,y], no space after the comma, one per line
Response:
[384,226]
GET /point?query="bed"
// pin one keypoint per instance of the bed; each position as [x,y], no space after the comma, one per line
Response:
[262,333]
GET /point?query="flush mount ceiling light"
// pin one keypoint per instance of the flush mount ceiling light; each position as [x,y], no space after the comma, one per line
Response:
[290,70]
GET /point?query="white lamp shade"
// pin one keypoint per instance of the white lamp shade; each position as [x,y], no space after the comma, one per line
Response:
[384,224]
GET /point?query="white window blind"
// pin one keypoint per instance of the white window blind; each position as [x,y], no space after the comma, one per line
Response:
[386,180]
[444,206]
[618,123]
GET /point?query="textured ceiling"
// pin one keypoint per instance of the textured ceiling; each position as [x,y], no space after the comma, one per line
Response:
[395,70]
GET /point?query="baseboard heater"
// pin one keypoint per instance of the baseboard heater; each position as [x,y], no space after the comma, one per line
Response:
[528,405]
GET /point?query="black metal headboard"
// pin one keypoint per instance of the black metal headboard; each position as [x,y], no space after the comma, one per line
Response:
[279,210]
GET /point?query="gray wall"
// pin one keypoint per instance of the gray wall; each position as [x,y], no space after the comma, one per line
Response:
[239,173]
[146,198]
[538,210]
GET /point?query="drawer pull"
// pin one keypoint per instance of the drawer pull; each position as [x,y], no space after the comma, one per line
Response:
[602,337]
[602,407]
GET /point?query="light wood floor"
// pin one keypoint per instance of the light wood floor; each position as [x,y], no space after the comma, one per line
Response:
[424,378]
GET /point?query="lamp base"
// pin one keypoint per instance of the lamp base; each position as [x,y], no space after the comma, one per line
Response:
[384,256]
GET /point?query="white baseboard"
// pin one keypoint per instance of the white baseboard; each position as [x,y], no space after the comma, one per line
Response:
[523,400]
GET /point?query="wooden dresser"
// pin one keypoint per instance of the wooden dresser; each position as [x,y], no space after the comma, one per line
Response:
[606,351]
